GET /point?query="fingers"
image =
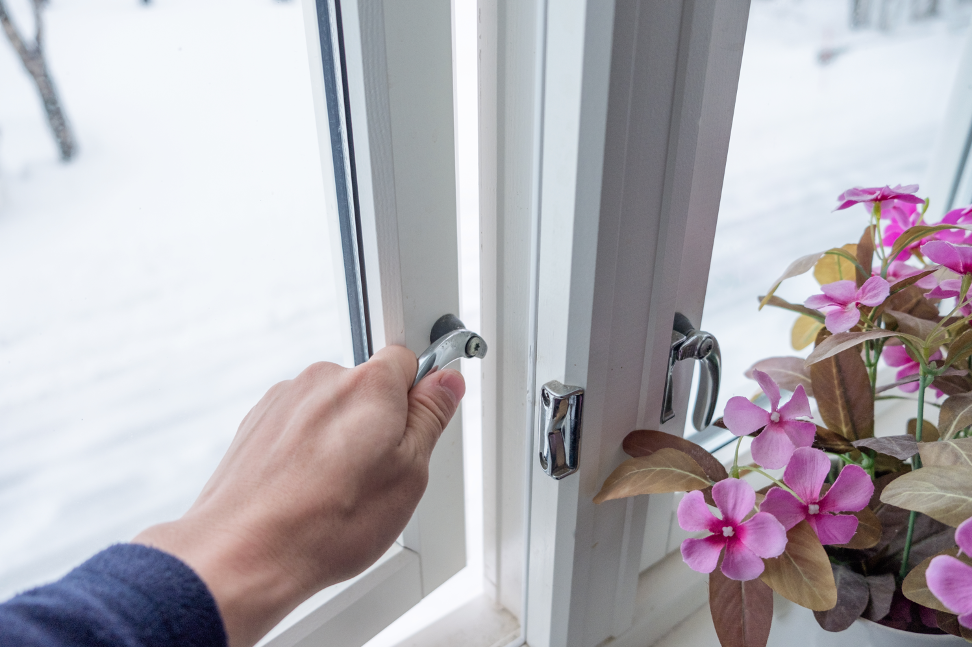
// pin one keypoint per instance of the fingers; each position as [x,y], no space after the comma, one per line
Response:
[431,405]
[399,360]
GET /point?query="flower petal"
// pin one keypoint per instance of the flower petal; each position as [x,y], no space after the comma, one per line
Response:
[842,319]
[951,582]
[850,492]
[842,292]
[806,472]
[769,387]
[874,291]
[897,356]
[735,499]
[963,536]
[742,417]
[799,432]
[818,301]
[784,506]
[966,620]
[702,555]
[772,448]
[798,405]
[833,528]
[740,562]
[957,258]
[763,534]
[694,514]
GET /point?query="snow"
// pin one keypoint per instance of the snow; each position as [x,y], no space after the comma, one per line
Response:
[153,289]
[802,133]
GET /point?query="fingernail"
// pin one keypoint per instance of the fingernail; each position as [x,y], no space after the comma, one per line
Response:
[453,382]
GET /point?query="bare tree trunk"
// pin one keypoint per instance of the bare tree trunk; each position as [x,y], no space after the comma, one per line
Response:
[32,56]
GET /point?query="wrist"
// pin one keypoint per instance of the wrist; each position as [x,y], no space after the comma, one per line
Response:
[252,589]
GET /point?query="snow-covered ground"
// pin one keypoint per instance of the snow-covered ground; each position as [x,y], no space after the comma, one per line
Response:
[802,133]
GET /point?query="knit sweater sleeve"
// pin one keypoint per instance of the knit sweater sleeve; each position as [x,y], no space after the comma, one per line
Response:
[128,595]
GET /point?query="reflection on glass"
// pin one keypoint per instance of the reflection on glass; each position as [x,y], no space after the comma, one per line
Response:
[153,288]
[833,94]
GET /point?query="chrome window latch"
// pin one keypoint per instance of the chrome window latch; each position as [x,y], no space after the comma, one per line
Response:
[689,343]
[450,341]
[560,428]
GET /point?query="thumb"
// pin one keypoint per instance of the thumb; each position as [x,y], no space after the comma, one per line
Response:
[431,405]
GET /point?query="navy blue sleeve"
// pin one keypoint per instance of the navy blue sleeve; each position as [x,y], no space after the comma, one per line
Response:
[126,596]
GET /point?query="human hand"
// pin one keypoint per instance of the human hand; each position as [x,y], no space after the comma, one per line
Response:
[322,476]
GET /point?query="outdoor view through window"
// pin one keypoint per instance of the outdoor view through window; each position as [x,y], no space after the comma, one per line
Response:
[157,284]
[833,94]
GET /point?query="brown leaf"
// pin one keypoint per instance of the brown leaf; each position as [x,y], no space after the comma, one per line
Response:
[843,392]
[953,384]
[831,442]
[777,302]
[865,255]
[742,612]
[804,331]
[911,301]
[929,432]
[833,267]
[898,286]
[868,530]
[852,597]
[666,470]
[787,372]
[881,588]
[917,232]
[960,349]
[645,442]
[955,415]
[947,452]
[802,573]
[901,447]
[915,587]
[843,341]
[948,622]
[917,327]
[942,493]
[800,266]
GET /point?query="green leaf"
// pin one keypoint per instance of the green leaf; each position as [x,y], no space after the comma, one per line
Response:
[645,442]
[918,232]
[742,612]
[842,389]
[802,573]
[844,340]
[955,415]
[942,493]
[777,302]
[667,470]
[800,266]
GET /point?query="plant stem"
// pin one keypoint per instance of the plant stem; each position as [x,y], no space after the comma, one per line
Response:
[923,383]
[776,482]
[735,460]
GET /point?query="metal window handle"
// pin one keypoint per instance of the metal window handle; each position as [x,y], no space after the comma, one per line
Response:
[689,343]
[559,432]
[450,341]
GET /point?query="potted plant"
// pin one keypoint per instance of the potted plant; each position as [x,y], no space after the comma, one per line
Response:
[858,527]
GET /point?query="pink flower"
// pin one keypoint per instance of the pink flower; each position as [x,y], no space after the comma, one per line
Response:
[762,536]
[951,580]
[805,475]
[883,195]
[899,356]
[898,271]
[957,258]
[901,216]
[841,299]
[782,429]
[949,289]
[961,216]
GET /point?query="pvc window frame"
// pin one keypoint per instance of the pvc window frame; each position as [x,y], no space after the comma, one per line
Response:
[383,86]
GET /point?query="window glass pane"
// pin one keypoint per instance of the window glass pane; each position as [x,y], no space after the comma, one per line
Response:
[828,99]
[152,288]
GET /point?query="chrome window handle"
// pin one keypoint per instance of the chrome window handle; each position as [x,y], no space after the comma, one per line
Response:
[689,343]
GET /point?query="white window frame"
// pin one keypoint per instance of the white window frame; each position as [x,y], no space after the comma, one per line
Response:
[388,155]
